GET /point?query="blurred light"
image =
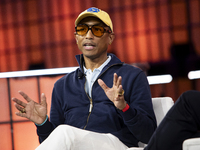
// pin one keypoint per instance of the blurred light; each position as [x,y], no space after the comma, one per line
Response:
[159,79]
[40,72]
[194,75]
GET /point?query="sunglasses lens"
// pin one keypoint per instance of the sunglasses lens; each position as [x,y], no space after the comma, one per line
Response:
[81,29]
[97,30]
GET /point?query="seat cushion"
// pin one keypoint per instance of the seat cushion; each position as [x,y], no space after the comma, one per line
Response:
[161,105]
[191,144]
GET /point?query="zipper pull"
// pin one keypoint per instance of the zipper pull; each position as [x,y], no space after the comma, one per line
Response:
[90,107]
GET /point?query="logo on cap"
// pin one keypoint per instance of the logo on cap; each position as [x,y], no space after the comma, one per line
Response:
[92,9]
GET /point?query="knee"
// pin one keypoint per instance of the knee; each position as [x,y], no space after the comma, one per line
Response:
[191,97]
[66,131]
[61,128]
[192,94]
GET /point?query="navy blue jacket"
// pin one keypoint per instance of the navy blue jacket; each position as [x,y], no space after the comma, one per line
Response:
[70,104]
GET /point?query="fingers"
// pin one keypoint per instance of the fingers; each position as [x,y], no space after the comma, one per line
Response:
[117,81]
[103,85]
[43,100]
[120,89]
[21,114]
[19,107]
[18,102]
[25,96]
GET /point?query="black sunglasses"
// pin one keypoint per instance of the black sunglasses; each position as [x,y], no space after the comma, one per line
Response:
[97,30]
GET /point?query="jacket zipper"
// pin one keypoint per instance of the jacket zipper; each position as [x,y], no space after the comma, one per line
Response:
[91,103]
[90,109]
[88,115]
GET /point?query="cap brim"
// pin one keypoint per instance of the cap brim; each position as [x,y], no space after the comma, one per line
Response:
[87,14]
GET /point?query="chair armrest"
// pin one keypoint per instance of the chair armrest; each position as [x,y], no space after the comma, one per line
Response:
[191,144]
[135,148]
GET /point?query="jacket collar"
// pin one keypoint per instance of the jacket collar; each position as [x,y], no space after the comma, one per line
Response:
[114,61]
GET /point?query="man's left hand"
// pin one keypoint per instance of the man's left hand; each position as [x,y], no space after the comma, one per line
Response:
[116,93]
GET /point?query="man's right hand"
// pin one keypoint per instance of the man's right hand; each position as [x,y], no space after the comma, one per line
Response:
[31,110]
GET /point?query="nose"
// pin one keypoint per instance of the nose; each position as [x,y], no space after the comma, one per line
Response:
[89,34]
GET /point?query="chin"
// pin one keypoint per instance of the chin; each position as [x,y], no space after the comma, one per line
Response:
[89,53]
[91,56]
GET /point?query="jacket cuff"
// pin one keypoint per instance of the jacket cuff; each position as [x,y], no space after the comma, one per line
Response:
[128,114]
[45,127]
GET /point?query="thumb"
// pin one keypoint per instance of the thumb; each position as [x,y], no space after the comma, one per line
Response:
[43,100]
[103,85]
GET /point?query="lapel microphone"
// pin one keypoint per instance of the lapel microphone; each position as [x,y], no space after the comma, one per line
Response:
[80,74]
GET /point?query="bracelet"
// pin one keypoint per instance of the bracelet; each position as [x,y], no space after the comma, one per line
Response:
[43,122]
[126,108]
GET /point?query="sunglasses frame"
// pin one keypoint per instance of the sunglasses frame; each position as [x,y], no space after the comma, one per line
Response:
[90,28]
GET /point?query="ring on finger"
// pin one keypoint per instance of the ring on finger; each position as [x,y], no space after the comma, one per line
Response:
[121,93]
[23,110]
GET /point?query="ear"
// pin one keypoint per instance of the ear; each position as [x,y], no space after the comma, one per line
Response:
[75,36]
[111,37]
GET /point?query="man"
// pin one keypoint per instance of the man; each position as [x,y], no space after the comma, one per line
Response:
[180,123]
[98,107]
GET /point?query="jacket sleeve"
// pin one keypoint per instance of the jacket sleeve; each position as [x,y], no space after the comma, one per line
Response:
[44,130]
[56,115]
[140,117]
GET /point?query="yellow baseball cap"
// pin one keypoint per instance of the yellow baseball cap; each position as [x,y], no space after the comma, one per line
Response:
[95,12]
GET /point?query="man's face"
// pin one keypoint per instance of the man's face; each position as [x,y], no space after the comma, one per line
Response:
[91,46]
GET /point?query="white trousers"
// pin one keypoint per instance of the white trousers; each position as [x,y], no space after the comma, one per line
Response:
[66,137]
